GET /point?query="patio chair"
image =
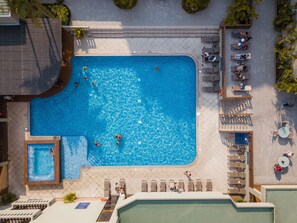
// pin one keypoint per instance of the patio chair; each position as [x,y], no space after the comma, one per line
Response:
[210,70]
[236,175]
[208,185]
[284,123]
[181,185]
[162,186]
[236,158]
[244,77]
[144,186]
[236,182]
[236,191]
[107,190]
[172,186]
[211,78]
[191,187]
[236,165]
[291,135]
[247,88]
[198,185]
[211,89]
[154,186]
[273,133]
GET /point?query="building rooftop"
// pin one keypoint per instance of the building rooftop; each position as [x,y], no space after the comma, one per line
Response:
[30,57]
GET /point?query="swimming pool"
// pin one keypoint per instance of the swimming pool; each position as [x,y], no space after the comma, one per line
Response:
[153,109]
[40,162]
[206,211]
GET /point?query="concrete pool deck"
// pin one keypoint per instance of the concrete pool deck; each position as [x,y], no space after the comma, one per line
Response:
[212,159]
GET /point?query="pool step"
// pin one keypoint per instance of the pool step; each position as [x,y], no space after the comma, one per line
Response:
[243,106]
[153,32]
[235,123]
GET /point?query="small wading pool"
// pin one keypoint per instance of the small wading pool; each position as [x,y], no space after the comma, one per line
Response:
[42,162]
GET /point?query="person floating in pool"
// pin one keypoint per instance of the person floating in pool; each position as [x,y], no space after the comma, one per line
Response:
[97,143]
[118,136]
[85,77]
[76,84]
[51,150]
[93,83]
[157,68]
[84,67]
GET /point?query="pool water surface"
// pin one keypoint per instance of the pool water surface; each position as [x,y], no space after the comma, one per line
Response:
[152,108]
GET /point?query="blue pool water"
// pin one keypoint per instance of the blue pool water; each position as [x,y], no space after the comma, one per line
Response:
[40,162]
[153,111]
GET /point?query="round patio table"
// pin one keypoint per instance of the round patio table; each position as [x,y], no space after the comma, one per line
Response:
[284,161]
[283,132]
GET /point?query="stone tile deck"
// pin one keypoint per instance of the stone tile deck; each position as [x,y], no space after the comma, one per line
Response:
[211,161]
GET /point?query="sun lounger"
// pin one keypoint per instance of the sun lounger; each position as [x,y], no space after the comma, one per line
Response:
[236,191]
[211,89]
[181,185]
[236,175]
[154,186]
[236,165]
[144,187]
[172,185]
[210,70]
[208,185]
[233,68]
[163,186]
[237,149]
[247,88]
[107,190]
[211,78]
[241,56]
[191,187]
[198,185]
[210,39]
[236,182]
[239,158]
[19,215]
[211,50]
[122,184]
[243,77]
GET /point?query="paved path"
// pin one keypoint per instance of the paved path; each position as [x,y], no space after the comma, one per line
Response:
[146,13]
[267,103]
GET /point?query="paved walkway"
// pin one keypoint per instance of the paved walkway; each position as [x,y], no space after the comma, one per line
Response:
[267,103]
[212,155]
[146,13]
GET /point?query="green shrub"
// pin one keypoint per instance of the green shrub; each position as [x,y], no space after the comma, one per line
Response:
[125,4]
[193,6]
[70,198]
[8,198]
[240,12]
[60,11]
[285,15]
[239,200]
[79,32]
